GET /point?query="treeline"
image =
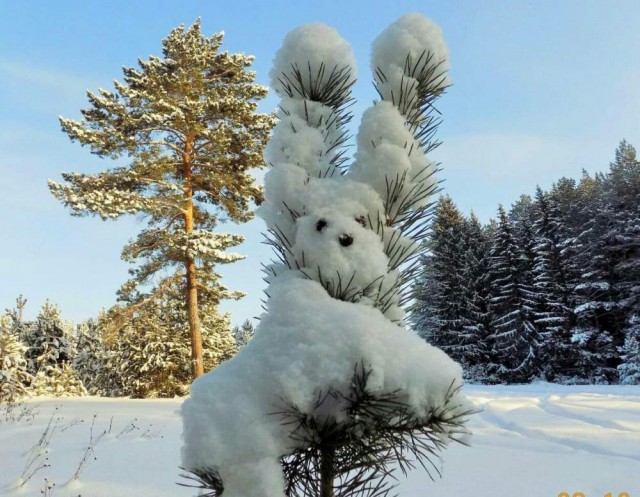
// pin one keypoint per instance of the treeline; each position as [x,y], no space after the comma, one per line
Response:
[140,349]
[550,290]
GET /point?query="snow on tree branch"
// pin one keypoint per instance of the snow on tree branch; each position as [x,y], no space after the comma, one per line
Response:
[332,388]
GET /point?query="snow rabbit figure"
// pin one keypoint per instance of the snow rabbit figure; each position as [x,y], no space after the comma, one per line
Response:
[346,239]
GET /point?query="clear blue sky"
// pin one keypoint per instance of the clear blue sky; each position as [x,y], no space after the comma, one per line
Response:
[542,89]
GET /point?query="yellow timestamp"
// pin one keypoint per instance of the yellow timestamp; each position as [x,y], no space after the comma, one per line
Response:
[580,494]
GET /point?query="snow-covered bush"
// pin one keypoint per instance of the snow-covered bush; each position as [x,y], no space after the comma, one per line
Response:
[14,376]
[146,343]
[59,381]
[332,383]
[48,341]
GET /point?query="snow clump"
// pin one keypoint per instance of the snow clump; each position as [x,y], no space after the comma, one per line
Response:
[412,38]
[315,46]
[305,342]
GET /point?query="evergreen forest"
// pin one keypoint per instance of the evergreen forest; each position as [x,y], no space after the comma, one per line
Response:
[549,290]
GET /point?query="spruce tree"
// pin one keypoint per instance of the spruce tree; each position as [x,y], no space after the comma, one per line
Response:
[623,193]
[187,129]
[438,308]
[599,315]
[49,354]
[109,379]
[515,336]
[569,196]
[629,368]
[522,218]
[88,361]
[597,318]
[553,282]
[479,356]
[48,341]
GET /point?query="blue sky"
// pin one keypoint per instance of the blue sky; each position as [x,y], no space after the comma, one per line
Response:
[542,90]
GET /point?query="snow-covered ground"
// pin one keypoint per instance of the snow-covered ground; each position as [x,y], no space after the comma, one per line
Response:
[529,441]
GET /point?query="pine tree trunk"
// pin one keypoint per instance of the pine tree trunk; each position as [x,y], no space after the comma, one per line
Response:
[190,266]
[327,460]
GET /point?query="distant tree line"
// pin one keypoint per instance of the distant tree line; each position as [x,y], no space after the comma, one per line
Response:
[137,350]
[550,290]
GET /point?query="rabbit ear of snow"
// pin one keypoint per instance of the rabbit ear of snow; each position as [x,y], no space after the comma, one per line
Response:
[313,63]
[313,73]
[410,63]
[408,51]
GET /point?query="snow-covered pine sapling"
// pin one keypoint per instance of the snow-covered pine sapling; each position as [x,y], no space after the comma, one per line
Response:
[333,389]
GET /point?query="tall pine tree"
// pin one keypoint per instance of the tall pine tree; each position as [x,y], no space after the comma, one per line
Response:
[187,126]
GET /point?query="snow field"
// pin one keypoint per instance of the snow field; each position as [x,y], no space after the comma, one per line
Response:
[138,452]
[541,440]
[531,441]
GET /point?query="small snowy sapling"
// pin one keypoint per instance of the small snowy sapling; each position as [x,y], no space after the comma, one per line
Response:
[333,389]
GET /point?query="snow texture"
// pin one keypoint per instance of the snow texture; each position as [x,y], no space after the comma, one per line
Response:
[306,136]
[312,46]
[305,341]
[411,38]
[387,153]
[333,297]
[529,440]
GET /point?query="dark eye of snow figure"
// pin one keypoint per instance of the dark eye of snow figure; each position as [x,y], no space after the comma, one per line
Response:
[361,220]
[345,240]
[321,224]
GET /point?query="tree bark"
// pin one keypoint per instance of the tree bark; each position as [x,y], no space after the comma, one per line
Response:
[190,266]
[327,460]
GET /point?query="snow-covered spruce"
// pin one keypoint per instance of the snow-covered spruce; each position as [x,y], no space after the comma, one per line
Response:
[332,383]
